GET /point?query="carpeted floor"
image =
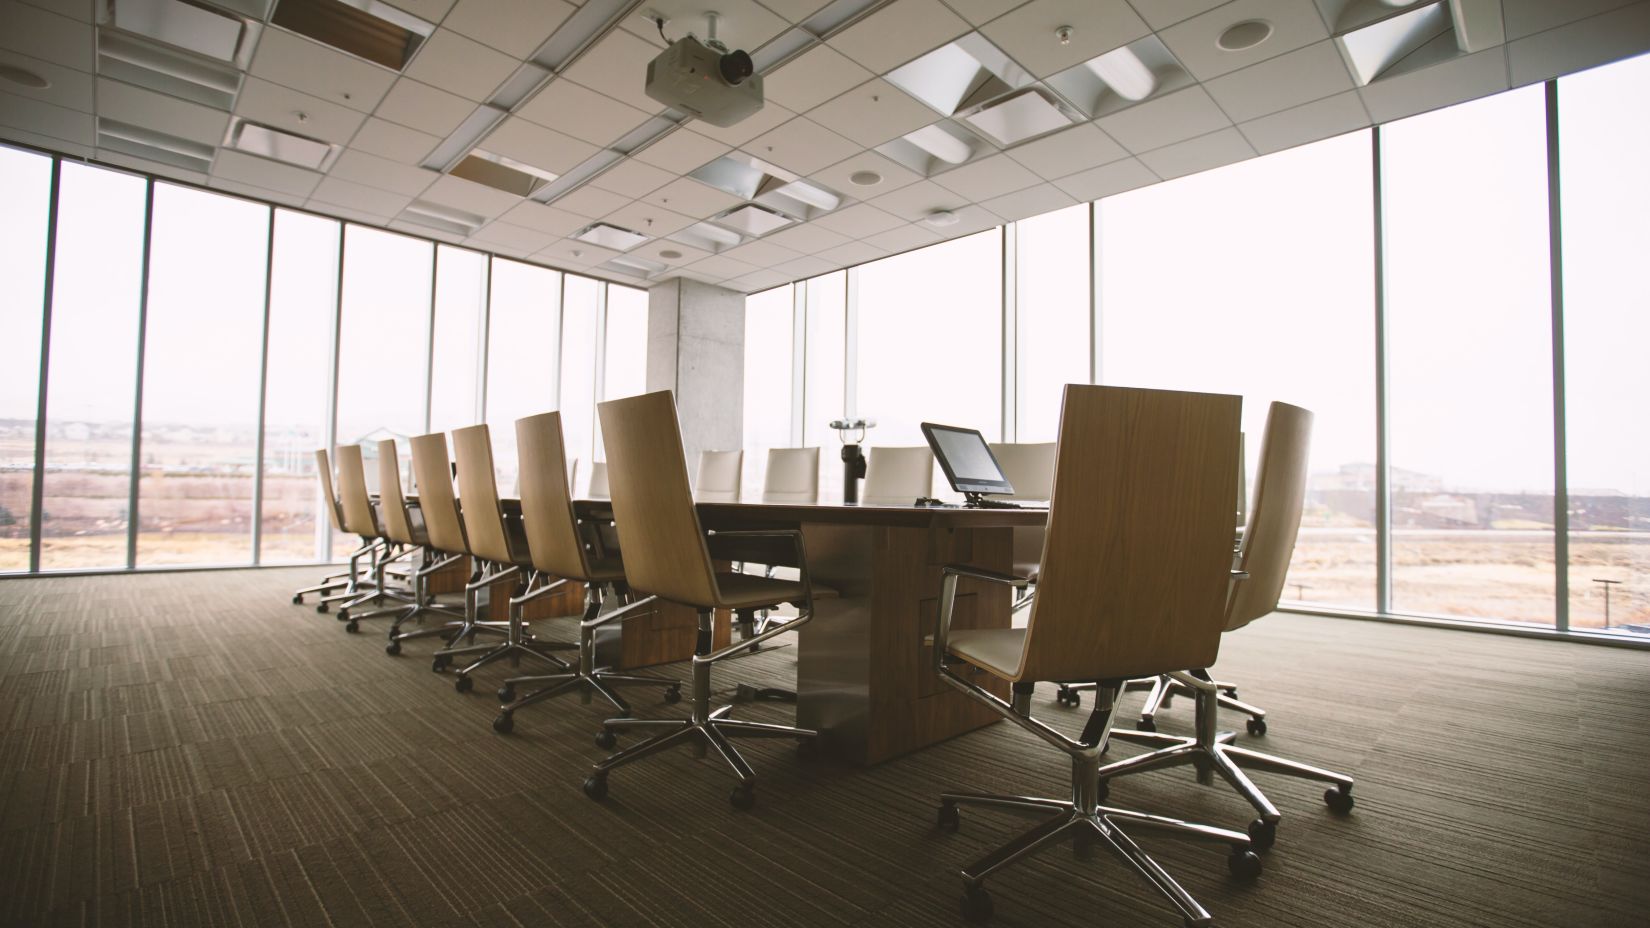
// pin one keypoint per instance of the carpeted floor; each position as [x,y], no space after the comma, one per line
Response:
[190,749]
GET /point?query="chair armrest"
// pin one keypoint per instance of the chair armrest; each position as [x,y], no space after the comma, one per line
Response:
[990,576]
[948,599]
[797,550]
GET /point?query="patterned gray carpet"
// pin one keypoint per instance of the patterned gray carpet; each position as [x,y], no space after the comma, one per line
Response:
[190,749]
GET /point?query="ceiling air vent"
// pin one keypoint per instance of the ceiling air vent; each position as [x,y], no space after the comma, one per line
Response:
[442,218]
[192,27]
[611,237]
[1018,118]
[368,29]
[281,145]
[753,221]
[165,70]
[140,142]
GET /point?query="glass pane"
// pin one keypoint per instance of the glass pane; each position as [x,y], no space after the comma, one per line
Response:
[1258,279]
[824,368]
[25,188]
[1606,213]
[768,354]
[1052,276]
[578,369]
[203,349]
[303,315]
[93,368]
[460,323]
[624,370]
[522,373]
[1470,353]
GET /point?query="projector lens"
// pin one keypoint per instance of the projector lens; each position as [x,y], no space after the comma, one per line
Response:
[736,66]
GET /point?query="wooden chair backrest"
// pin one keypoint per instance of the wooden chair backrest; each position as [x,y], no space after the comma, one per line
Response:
[1275,517]
[720,476]
[323,469]
[391,503]
[352,493]
[897,476]
[435,494]
[546,503]
[598,480]
[1135,574]
[792,476]
[659,532]
[478,490]
[1029,467]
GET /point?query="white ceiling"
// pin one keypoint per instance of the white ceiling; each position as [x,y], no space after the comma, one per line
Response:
[828,107]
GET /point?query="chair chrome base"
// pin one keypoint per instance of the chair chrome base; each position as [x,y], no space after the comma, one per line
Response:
[1211,753]
[518,641]
[1163,690]
[707,726]
[585,679]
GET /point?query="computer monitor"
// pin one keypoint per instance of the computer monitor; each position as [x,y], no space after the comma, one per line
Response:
[966,459]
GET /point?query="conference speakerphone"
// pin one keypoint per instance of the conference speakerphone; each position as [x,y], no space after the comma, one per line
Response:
[969,466]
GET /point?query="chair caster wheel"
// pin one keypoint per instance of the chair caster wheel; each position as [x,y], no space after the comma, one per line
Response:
[1068,697]
[506,693]
[744,692]
[298,599]
[352,626]
[605,739]
[949,818]
[1262,834]
[1339,799]
[440,663]
[393,648]
[1245,865]
[1145,725]
[743,797]
[504,723]
[463,683]
[322,608]
[673,695]
[976,904]
[1257,727]
[595,786]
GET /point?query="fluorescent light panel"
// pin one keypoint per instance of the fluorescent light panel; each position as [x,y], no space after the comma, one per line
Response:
[610,236]
[501,173]
[1023,116]
[1372,49]
[753,220]
[166,70]
[368,29]
[184,25]
[280,145]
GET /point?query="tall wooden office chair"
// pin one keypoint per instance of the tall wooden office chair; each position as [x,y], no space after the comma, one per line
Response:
[897,476]
[1134,582]
[792,476]
[1263,560]
[359,518]
[720,477]
[1029,467]
[335,513]
[562,553]
[499,553]
[666,556]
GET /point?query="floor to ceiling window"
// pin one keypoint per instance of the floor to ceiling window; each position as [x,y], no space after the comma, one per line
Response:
[1052,313]
[824,372]
[92,368]
[1256,279]
[204,325]
[580,322]
[769,319]
[26,189]
[1470,359]
[457,335]
[1604,135]
[523,373]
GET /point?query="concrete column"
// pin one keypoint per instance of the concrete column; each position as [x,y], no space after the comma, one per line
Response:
[696,347]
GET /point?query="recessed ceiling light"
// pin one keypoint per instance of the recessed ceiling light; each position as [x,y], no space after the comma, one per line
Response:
[280,145]
[865,178]
[1023,116]
[23,77]
[940,143]
[941,217]
[670,254]
[1247,34]
[368,29]
[1124,72]
[754,220]
[501,173]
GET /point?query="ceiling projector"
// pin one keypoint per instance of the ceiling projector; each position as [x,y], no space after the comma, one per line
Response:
[707,80]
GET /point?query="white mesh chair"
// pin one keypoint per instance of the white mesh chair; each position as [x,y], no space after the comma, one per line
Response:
[897,476]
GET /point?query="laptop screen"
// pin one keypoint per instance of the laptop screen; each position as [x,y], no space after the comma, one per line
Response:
[966,459]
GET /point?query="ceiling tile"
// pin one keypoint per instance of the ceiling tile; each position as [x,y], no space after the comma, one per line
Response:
[655,251]
[69,88]
[721,267]
[460,65]
[1108,179]
[813,77]
[432,11]
[1068,151]
[533,144]
[1032,201]
[73,9]
[632,178]
[469,197]
[54,127]
[515,26]
[801,146]
[1317,120]
[1591,42]
[139,107]
[853,253]
[681,151]
[918,200]
[807,239]
[592,202]
[1199,154]
[1453,81]
[373,171]
[770,115]
[283,108]
[417,228]
[546,219]
[518,239]
[40,34]
[296,62]
[1312,73]
[1098,26]
[1295,24]
[908,236]
[742,24]
[873,113]
[261,172]
[648,219]
[244,189]
[616,67]
[392,141]
[794,11]
[839,176]
[1162,13]
[859,221]
[761,253]
[988,177]
[980,12]
[898,32]
[423,107]
[1181,115]
[380,203]
[757,281]
[583,113]
[1528,17]
[691,198]
[120,159]
[573,252]
[804,266]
